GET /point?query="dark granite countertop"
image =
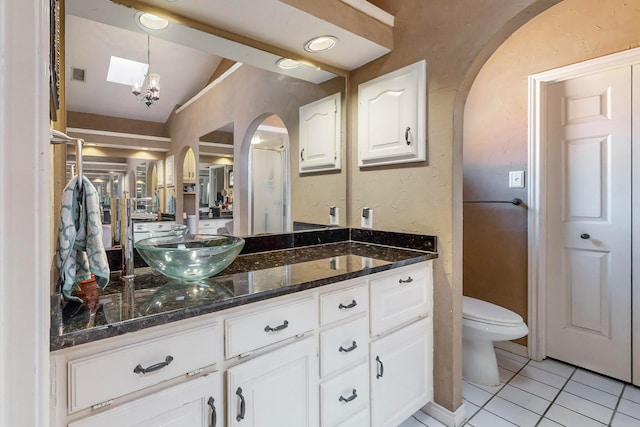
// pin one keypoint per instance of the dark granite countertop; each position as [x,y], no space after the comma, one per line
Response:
[269,266]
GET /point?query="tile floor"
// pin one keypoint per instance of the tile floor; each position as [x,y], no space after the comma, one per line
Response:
[545,394]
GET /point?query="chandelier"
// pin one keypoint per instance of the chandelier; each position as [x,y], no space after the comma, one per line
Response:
[149,91]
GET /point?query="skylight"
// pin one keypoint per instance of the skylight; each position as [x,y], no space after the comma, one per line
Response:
[126,71]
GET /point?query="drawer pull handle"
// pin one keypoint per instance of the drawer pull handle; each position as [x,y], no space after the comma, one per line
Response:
[344,307]
[379,368]
[406,135]
[214,417]
[140,370]
[277,328]
[347,350]
[409,279]
[242,404]
[348,399]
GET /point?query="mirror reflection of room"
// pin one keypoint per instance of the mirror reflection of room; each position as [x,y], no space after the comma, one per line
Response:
[177,175]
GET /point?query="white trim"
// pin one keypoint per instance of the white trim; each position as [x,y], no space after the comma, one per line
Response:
[372,10]
[537,184]
[217,145]
[118,134]
[445,416]
[206,89]
[274,129]
[25,213]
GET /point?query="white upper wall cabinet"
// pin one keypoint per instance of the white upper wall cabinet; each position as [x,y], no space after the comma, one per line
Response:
[392,119]
[319,137]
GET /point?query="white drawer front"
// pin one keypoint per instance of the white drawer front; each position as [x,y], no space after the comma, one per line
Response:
[401,296]
[97,379]
[345,396]
[259,329]
[343,346]
[344,303]
[181,405]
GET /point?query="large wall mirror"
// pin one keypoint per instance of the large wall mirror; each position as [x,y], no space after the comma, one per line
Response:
[210,102]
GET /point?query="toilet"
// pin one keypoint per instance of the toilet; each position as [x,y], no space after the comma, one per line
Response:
[482,324]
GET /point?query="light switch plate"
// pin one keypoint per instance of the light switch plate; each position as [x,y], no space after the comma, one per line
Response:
[516,179]
[366,222]
[333,219]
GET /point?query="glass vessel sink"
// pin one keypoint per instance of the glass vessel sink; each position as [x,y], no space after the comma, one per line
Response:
[191,257]
[171,230]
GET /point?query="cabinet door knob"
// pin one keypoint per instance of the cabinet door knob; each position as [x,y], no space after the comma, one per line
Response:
[350,398]
[344,307]
[406,135]
[214,417]
[585,236]
[140,370]
[240,416]
[277,328]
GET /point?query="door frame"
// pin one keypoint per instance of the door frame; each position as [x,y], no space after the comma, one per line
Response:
[537,194]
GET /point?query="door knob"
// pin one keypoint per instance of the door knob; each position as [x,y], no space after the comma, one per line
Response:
[585,236]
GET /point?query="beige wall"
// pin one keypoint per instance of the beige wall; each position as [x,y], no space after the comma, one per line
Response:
[495,133]
[245,99]
[455,37]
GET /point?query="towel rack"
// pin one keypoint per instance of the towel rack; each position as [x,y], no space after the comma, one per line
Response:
[58,137]
[515,201]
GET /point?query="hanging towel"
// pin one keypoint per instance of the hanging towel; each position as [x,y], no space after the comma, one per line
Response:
[155,203]
[80,250]
[171,206]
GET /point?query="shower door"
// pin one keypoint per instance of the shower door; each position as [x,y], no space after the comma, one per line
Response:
[268,184]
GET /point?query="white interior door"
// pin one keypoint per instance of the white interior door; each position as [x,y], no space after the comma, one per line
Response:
[588,318]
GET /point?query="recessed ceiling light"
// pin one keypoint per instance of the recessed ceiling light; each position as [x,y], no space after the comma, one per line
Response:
[287,64]
[320,44]
[151,22]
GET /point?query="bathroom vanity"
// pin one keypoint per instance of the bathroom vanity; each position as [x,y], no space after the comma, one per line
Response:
[312,328]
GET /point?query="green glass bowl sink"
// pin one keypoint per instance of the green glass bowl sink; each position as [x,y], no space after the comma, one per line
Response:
[191,257]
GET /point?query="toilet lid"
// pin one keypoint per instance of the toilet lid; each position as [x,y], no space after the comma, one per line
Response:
[482,311]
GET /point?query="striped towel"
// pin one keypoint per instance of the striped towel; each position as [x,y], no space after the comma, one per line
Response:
[80,250]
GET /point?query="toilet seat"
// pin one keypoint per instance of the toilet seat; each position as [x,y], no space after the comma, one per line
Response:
[485,312]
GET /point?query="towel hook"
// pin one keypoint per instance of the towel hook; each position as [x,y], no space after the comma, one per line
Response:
[58,137]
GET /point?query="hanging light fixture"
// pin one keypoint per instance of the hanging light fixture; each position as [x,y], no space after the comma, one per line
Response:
[149,91]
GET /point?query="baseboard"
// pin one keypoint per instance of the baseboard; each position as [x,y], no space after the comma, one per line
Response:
[512,347]
[445,416]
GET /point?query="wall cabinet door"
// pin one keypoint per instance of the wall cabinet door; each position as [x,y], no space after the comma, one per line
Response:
[279,388]
[320,135]
[196,403]
[189,168]
[392,117]
[401,373]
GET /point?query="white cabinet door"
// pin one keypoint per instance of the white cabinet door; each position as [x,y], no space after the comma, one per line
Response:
[392,117]
[279,388]
[196,403]
[401,373]
[320,135]
[189,168]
